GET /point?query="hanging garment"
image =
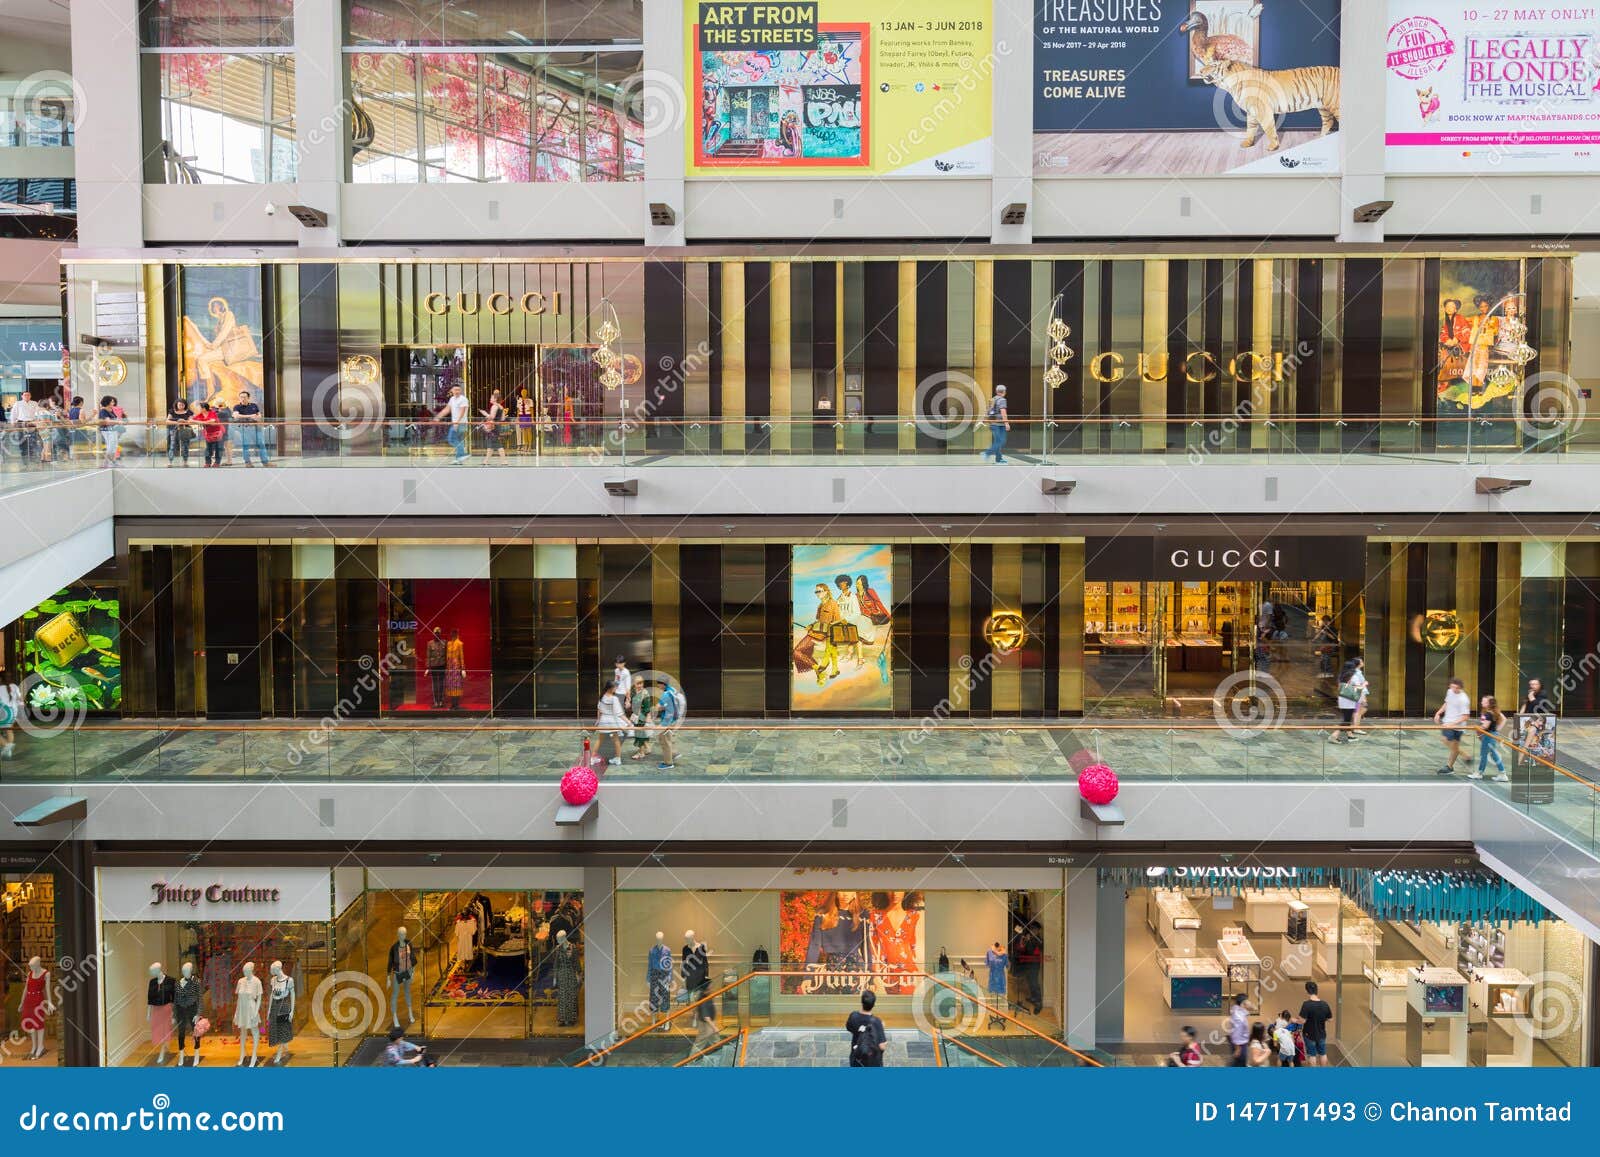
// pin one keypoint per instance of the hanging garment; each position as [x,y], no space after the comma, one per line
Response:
[567,980]
[466,939]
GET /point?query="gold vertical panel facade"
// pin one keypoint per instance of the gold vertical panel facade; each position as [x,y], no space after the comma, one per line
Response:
[155,358]
[1261,343]
[1469,558]
[1393,693]
[1507,624]
[983,329]
[838,353]
[733,355]
[664,591]
[906,318]
[1153,393]
[960,630]
[1005,586]
[1069,644]
[780,300]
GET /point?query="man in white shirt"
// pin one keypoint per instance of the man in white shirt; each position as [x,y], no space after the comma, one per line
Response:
[1452,717]
[24,412]
[457,409]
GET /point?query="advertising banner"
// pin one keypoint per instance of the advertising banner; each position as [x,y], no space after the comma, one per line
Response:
[1492,89]
[835,936]
[1185,87]
[890,87]
[841,626]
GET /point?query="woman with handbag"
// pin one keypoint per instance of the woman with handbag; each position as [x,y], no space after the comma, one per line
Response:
[1352,699]
[492,418]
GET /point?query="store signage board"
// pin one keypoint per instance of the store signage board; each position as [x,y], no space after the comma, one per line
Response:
[1248,558]
[141,895]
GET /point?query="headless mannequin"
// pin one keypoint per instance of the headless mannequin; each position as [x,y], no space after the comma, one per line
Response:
[567,979]
[154,1012]
[705,1014]
[188,987]
[659,974]
[35,992]
[247,1014]
[280,988]
[402,964]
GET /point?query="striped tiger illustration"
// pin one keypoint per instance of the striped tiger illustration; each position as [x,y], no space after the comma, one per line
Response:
[1266,96]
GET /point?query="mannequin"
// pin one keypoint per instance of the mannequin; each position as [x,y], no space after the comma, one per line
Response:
[247,1014]
[568,975]
[402,963]
[658,970]
[158,1009]
[697,983]
[280,1012]
[466,939]
[186,1008]
[34,1011]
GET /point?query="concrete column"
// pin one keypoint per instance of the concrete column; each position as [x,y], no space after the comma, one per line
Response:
[1364,26]
[321,115]
[1080,929]
[1011,67]
[671,110]
[599,952]
[1110,964]
[109,153]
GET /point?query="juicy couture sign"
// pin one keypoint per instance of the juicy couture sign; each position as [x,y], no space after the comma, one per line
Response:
[162,892]
[1178,558]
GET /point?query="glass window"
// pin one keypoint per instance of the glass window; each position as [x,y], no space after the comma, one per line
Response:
[35,120]
[216,23]
[493,23]
[495,117]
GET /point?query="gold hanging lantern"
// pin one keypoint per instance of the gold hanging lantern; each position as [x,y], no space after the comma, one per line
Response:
[608,332]
[1058,330]
[1054,377]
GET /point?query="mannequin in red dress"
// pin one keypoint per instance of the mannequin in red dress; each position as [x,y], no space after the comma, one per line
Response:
[33,1011]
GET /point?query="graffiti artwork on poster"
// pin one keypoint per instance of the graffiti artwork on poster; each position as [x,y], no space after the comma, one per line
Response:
[1492,89]
[221,330]
[1483,348]
[902,86]
[841,626]
[1186,87]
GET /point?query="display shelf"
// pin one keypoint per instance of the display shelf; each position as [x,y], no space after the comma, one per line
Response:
[1436,995]
[1239,956]
[1389,980]
[1505,997]
[1176,920]
[1266,910]
[1193,982]
[1346,949]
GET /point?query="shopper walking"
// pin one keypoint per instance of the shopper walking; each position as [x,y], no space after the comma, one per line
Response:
[868,1039]
[641,705]
[1352,697]
[1315,1013]
[999,425]
[609,724]
[11,709]
[1285,1037]
[621,678]
[493,419]
[1452,717]
[1259,1053]
[109,417]
[1490,720]
[1239,1031]
[1188,1055]
[455,411]
[668,713]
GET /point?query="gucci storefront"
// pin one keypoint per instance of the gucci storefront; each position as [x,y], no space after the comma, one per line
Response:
[1204,351]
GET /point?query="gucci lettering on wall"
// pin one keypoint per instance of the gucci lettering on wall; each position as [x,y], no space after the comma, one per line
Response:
[499,303]
[162,892]
[1218,559]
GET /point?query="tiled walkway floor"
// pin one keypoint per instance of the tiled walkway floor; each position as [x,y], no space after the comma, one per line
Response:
[798,1048]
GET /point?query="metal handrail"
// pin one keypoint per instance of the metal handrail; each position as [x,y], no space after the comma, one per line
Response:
[946,1038]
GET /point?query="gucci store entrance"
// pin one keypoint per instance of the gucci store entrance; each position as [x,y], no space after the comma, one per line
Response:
[1178,625]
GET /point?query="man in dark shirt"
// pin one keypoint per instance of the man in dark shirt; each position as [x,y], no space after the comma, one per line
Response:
[868,1040]
[1537,702]
[1315,1015]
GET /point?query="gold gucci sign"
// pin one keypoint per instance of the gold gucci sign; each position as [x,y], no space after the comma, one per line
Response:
[1441,630]
[1199,366]
[498,303]
[1005,632]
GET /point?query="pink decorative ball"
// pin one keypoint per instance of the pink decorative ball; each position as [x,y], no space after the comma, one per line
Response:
[1098,784]
[579,786]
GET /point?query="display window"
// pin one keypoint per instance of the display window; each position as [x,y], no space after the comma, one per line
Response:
[1408,969]
[1171,645]
[468,958]
[438,630]
[209,967]
[30,984]
[939,957]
